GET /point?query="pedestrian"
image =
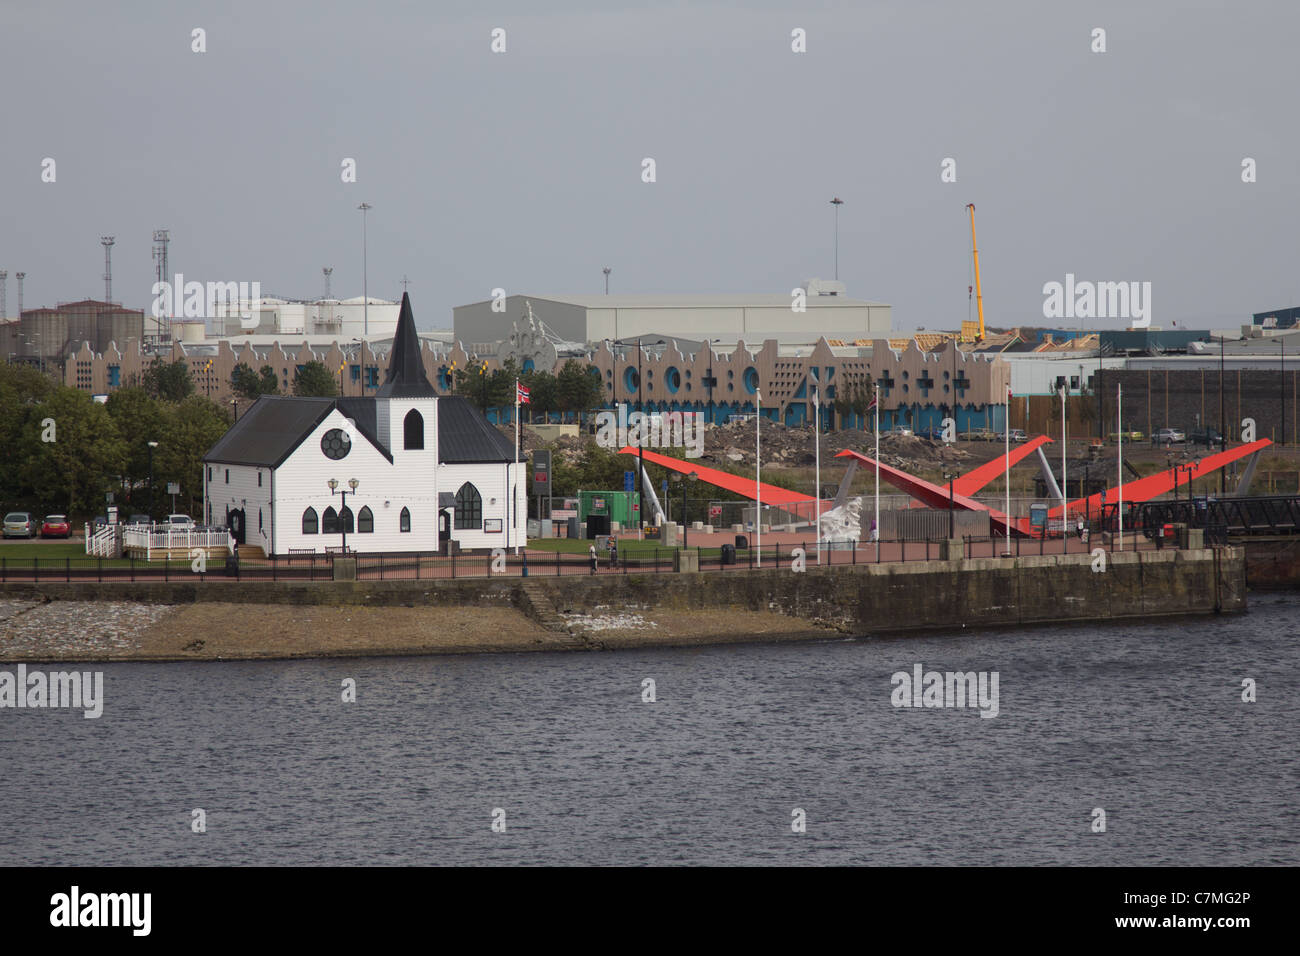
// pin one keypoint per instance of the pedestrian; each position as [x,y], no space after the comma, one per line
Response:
[592,555]
[875,534]
[1079,527]
[613,552]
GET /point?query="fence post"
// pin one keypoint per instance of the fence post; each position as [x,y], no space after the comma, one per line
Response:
[67,568]
[100,575]
[36,569]
[132,561]
[453,563]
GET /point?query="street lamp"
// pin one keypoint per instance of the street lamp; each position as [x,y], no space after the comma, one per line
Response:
[365,268]
[607,270]
[709,345]
[152,446]
[950,476]
[688,482]
[640,449]
[343,525]
[837,202]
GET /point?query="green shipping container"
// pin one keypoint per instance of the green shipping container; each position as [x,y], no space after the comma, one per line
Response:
[620,506]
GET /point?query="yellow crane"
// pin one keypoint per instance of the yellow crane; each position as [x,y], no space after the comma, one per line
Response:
[979,295]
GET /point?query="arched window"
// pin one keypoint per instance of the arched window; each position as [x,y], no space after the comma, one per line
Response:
[330,521]
[309,521]
[413,431]
[469,508]
[405,525]
[365,521]
[345,520]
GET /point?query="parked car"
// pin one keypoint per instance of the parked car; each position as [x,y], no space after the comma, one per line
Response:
[1205,436]
[19,524]
[1018,434]
[933,432]
[1167,436]
[56,526]
[180,522]
[139,519]
[900,430]
[979,434]
[1129,436]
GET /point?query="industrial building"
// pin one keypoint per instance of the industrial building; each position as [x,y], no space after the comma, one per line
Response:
[591,319]
[46,336]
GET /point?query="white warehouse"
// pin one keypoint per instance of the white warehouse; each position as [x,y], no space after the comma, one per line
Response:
[591,319]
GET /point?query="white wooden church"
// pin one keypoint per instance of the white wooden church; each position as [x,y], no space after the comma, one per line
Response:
[418,471]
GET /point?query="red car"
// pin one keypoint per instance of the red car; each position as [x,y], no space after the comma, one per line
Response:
[56,526]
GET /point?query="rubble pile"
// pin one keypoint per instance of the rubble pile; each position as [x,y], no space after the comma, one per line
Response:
[732,446]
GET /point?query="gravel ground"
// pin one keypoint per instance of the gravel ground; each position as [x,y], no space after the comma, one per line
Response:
[73,629]
[103,631]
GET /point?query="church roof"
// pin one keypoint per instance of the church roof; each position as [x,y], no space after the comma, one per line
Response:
[269,432]
[405,377]
[465,435]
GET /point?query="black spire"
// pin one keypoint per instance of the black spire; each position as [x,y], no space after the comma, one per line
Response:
[406,378]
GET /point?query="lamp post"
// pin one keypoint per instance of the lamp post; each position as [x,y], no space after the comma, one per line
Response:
[365,207]
[837,202]
[1223,424]
[640,449]
[951,476]
[709,346]
[688,482]
[607,270]
[343,525]
[152,446]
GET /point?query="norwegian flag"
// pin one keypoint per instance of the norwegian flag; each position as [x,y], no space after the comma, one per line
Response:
[872,403]
[521,394]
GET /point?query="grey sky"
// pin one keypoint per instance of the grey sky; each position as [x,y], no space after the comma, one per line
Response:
[523,170]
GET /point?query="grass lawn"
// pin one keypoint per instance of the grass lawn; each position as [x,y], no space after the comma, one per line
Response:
[19,554]
[629,546]
[20,548]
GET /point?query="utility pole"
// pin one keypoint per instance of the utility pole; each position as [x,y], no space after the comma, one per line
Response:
[107,243]
[365,207]
[837,202]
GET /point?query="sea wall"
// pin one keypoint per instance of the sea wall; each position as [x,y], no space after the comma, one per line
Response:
[861,600]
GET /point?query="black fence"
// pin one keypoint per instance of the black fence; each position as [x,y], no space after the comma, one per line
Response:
[431,567]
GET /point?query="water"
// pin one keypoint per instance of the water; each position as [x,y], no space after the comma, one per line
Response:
[1144,721]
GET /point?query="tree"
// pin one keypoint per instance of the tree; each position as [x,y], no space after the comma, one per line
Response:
[543,392]
[21,389]
[579,387]
[191,429]
[73,448]
[249,384]
[139,419]
[314,380]
[169,381]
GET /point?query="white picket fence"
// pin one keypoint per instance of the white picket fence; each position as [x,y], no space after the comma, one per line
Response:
[110,541]
[161,537]
[102,541]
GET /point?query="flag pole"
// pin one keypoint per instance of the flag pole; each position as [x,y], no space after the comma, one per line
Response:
[1119,416]
[1006,427]
[817,440]
[758,474]
[514,502]
[1065,495]
[876,530]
